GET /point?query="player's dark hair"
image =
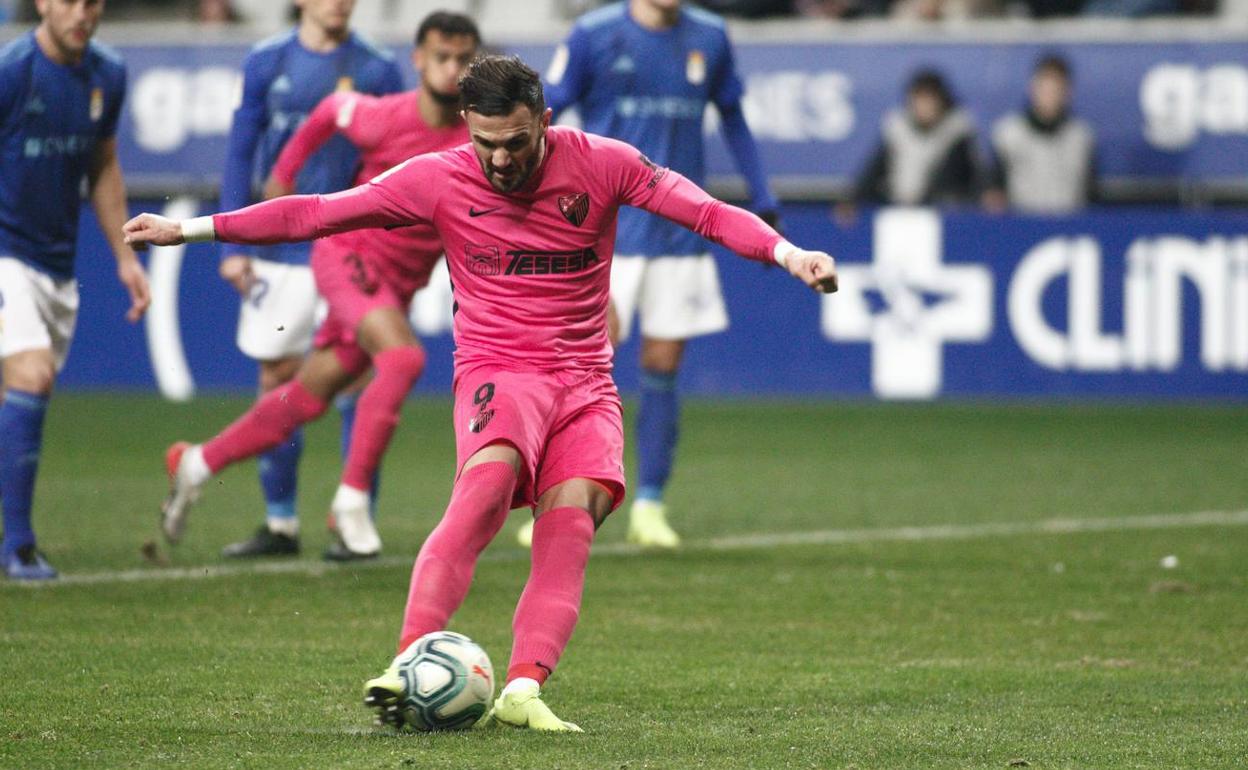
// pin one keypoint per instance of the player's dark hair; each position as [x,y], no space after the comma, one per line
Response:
[1053,63]
[932,82]
[449,24]
[496,85]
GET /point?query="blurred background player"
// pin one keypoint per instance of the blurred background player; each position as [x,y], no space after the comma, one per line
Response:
[60,99]
[644,71]
[926,155]
[284,78]
[1043,158]
[537,416]
[367,279]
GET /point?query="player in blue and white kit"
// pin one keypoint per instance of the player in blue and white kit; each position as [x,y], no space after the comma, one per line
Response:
[644,71]
[284,78]
[60,98]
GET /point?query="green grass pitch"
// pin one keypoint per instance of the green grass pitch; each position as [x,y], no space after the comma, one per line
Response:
[866,646]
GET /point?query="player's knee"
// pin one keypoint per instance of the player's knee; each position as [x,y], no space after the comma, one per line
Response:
[590,496]
[30,374]
[662,355]
[406,361]
[274,374]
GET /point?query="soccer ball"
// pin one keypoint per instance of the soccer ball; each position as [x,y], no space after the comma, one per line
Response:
[448,681]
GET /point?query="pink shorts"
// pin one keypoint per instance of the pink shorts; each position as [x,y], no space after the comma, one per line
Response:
[566,425]
[352,288]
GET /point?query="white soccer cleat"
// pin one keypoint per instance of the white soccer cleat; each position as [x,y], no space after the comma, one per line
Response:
[354,524]
[648,527]
[183,490]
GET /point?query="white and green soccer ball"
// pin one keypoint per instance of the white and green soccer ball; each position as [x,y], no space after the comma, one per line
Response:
[448,682]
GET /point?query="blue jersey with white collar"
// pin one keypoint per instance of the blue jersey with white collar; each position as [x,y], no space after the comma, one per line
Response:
[650,88]
[52,119]
[282,83]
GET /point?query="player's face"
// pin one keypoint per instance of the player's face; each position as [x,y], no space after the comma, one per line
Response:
[1050,94]
[509,147]
[441,60]
[926,107]
[70,23]
[333,16]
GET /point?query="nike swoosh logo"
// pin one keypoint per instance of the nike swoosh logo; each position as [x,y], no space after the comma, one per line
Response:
[472,212]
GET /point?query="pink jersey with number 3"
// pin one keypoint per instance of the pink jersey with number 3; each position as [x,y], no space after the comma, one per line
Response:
[387,130]
[530,268]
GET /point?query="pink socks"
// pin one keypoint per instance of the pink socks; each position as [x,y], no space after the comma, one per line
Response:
[377,412]
[274,417]
[443,570]
[551,601]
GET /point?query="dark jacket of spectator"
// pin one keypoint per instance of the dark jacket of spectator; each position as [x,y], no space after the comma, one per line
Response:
[926,154]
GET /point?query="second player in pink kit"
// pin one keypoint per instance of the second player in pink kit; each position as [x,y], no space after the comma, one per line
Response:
[527,214]
[367,279]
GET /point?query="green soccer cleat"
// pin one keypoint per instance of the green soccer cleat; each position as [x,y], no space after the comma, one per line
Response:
[648,527]
[523,707]
[384,695]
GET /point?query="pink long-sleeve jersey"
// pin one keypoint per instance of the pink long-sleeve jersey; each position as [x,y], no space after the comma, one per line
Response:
[531,268]
[387,130]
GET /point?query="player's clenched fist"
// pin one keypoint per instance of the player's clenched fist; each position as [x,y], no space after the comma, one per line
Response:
[153,229]
[813,268]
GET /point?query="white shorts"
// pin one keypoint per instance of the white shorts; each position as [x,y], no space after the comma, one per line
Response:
[37,311]
[280,315]
[678,297]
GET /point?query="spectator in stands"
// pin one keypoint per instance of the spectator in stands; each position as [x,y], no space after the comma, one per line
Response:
[938,10]
[926,154]
[1043,157]
[216,12]
[841,9]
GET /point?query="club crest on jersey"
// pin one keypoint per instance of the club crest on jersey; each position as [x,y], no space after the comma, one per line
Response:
[575,207]
[97,104]
[695,68]
[482,260]
[345,83]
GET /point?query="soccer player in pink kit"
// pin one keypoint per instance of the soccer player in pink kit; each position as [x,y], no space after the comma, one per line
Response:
[527,213]
[368,279]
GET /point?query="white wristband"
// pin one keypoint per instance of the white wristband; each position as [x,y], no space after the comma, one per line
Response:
[198,229]
[781,253]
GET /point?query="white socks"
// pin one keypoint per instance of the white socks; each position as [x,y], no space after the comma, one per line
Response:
[519,684]
[195,470]
[347,498]
[283,525]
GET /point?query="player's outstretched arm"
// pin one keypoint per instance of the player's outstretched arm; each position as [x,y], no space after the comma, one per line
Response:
[399,197]
[687,204]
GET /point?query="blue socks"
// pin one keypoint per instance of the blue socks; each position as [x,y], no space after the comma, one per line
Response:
[657,431]
[279,467]
[345,404]
[279,476]
[21,429]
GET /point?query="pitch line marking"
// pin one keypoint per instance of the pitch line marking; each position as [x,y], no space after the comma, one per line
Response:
[728,543]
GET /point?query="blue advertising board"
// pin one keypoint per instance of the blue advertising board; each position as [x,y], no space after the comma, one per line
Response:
[1170,112]
[1138,303]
